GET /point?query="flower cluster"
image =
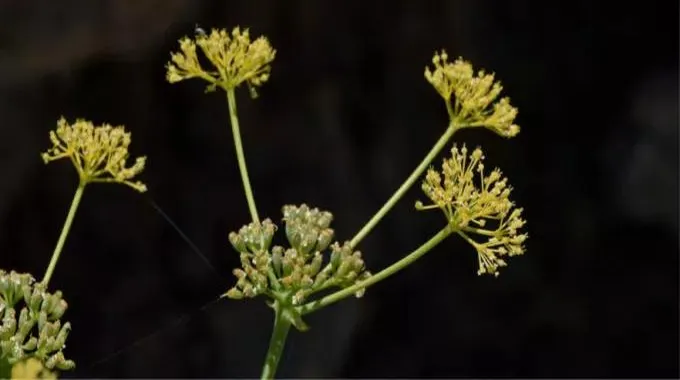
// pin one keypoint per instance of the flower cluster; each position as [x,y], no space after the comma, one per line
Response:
[37,331]
[475,96]
[99,153]
[471,205]
[297,272]
[234,57]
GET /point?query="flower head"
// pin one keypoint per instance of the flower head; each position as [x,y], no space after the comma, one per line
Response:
[234,57]
[295,273]
[474,96]
[37,330]
[99,153]
[473,201]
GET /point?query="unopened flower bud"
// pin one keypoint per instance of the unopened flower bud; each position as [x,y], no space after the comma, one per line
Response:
[30,345]
[59,309]
[234,293]
[277,255]
[237,242]
[344,268]
[287,265]
[350,276]
[322,277]
[9,324]
[306,281]
[324,240]
[336,256]
[324,219]
[294,235]
[249,291]
[313,268]
[26,323]
[299,297]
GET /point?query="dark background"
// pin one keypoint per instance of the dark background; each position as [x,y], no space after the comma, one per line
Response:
[344,119]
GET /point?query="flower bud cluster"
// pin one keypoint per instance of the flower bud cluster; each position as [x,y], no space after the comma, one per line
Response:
[252,242]
[37,330]
[301,269]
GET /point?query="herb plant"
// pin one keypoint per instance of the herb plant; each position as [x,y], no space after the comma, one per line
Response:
[314,270]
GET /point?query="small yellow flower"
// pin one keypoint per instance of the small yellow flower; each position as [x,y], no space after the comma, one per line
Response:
[475,96]
[471,201]
[234,57]
[31,368]
[99,153]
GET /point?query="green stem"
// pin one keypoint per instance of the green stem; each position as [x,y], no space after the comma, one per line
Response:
[64,232]
[231,99]
[276,343]
[405,186]
[383,274]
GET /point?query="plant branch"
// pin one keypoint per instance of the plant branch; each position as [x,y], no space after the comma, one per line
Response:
[383,274]
[443,140]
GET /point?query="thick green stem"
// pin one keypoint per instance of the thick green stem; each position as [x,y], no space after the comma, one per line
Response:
[383,274]
[231,99]
[64,232]
[276,344]
[405,186]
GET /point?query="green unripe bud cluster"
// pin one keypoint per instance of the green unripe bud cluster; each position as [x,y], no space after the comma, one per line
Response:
[301,270]
[37,330]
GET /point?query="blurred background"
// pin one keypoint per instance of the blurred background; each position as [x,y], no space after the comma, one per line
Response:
[345,118]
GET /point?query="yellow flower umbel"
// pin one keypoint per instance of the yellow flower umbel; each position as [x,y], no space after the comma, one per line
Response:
[470,204]
[234,57]
[99,153]
[475,101]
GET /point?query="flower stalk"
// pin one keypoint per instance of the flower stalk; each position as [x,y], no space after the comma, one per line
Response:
[64,233]
[240,156]
[277,343]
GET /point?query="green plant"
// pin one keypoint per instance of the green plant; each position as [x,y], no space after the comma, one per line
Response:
[314,270]
[99,154]
[290,276]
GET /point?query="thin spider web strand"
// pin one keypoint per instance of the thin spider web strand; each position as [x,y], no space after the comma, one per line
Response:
[184,237]
[178,322]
